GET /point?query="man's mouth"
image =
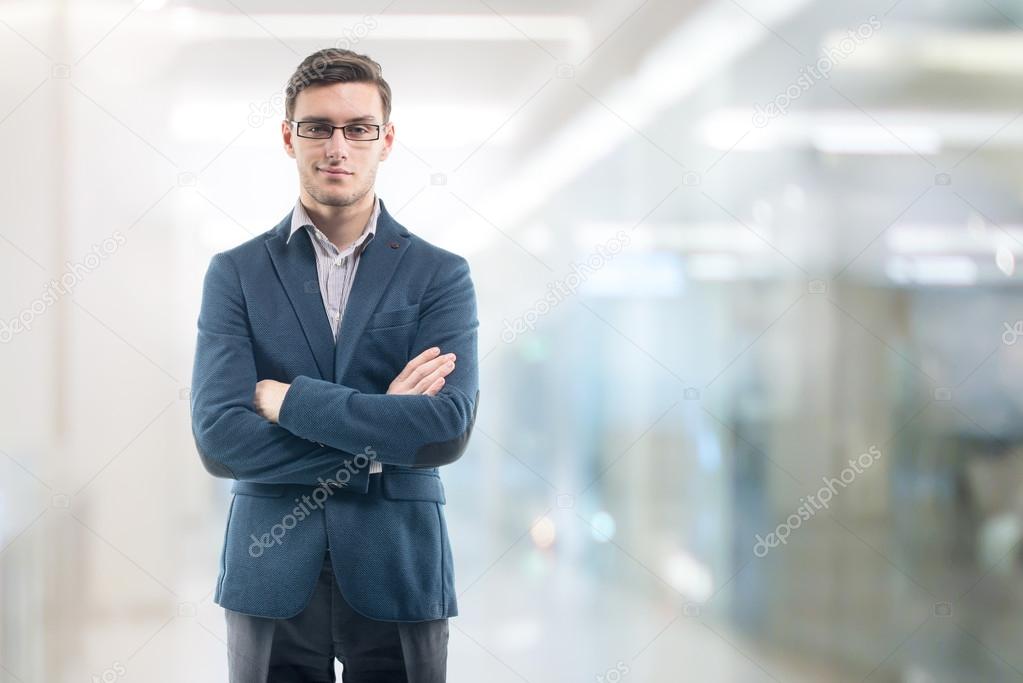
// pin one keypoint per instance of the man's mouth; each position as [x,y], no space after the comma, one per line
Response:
[335,172]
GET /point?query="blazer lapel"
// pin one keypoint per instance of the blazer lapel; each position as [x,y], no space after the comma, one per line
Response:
[377,265]
[295,263]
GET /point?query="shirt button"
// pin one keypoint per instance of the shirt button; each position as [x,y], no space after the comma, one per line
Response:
[338,261]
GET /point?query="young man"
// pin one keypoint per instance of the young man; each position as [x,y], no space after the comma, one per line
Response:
[335,372]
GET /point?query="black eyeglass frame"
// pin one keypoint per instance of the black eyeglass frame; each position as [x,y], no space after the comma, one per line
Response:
[343,128]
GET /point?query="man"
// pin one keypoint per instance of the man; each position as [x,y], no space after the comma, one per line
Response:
[335,372]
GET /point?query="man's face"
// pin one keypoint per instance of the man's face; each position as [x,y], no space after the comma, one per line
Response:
[337,171]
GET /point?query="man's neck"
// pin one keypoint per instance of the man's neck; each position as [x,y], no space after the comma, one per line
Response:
[342,225]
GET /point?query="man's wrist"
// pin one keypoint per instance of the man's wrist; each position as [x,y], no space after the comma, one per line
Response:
[288,402]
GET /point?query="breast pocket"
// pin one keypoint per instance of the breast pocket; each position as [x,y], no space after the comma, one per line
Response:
[398,317]
[387,342]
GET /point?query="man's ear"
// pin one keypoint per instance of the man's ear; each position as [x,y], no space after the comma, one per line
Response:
[286,135]
[388,142]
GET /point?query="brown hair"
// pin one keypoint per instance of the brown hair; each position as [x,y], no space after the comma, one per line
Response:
[333,65]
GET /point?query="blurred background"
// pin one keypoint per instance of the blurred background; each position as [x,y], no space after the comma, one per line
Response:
[748,304]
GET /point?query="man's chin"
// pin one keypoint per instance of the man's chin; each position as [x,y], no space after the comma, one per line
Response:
[335,198]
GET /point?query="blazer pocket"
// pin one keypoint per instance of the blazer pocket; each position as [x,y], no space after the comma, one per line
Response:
[248,488]
[394,318]
[412,486]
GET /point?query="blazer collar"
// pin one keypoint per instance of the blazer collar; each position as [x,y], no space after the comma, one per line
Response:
[295,264]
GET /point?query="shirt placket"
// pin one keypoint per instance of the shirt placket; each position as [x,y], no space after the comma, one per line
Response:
[336,287]
[329,263]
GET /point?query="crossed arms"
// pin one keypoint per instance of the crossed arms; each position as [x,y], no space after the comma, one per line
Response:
[275,433]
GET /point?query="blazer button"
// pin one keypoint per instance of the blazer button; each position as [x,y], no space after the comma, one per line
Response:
[393,245]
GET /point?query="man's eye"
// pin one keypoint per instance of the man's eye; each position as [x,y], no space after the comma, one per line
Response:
[316,129]
[358,130]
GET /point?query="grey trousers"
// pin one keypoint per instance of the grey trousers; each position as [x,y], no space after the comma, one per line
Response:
[303,648]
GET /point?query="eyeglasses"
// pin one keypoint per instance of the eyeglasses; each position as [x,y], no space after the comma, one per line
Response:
[318,130]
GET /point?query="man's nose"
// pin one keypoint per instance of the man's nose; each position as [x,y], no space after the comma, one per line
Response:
[337,144]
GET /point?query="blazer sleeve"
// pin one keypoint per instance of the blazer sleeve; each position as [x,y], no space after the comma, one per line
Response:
[407,430]
[233,440]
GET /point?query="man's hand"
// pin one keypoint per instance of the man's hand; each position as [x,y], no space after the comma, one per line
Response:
[424,374]
[269,397]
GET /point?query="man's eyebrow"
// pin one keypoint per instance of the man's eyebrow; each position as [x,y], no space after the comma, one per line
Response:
[327,119]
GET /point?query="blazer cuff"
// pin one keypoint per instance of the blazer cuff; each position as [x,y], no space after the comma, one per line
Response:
[304,403]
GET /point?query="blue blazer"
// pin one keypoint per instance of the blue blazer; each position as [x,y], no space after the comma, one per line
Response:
[304,483]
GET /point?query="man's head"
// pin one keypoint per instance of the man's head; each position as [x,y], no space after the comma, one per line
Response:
[337,88]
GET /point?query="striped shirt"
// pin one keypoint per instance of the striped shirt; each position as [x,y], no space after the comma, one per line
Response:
[335,269]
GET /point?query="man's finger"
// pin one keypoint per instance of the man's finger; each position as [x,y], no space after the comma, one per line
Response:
[428,381]
[430,367]
[415,362]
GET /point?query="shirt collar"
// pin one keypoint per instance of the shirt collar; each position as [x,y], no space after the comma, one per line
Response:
[300,219]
